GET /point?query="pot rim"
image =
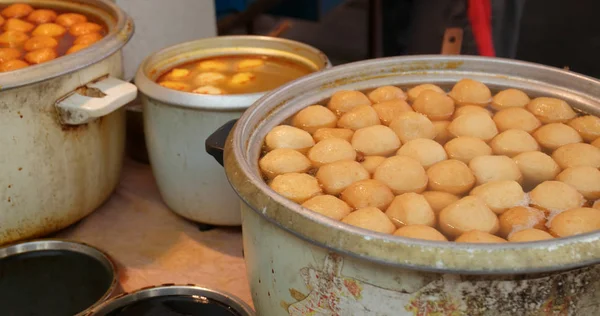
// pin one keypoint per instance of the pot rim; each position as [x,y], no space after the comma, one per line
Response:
[232,102]
[529,257]
[121,32]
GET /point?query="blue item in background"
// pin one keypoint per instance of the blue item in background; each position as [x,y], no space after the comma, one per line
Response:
[311,10]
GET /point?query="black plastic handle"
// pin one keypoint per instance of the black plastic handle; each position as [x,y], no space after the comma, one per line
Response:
[215,143]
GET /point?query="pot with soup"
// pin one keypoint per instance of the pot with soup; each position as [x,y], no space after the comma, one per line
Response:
[62,136]
[190,89]
[422,185]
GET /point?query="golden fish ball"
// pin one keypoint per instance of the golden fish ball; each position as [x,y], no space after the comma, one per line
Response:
[438,200]
[13,38]
[11,65]
[587,126]
[249,63]
[468,91]
[208,78]
[412,125]
[510,98]
[436,106]
[551,110]
[516,118]
[2,20]
[415,92]
[40,56]
[298,187]
[329,206]
[554,135]
[451,176]
[331,150]
[337,176]
[575,221]
[555,196]
[210,90]
[39,42]
[75,48]
[42,16]
[466,148]
[467,214]
[402,174]
[596,143]
[285,136]
[174,85]
[343,101]
[426,151]
[461,110]
[494,168]
[359,117]
[596,204]
[326,133]
[513,142]
[536,167]
[370,218]
[410,209]
[386,93]
[69,19]
[283,160]
[376,140]
[528,235]
[586,180]
[313,118]
[577,155]
[242,78]
[212,65]
[442,135]
[479,237]
[9,53]
[49,29]
[367,193]
[83,28]
[476,125]
[389,110]
[370,163]
[17,10]
[18,25]
[500,196]
[420,232]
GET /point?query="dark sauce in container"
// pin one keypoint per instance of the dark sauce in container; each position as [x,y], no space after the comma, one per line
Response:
[175,305]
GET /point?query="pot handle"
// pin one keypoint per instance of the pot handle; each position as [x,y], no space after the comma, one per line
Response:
[95,100]
[215,143]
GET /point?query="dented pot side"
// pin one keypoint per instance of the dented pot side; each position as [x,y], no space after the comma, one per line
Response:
[244,145]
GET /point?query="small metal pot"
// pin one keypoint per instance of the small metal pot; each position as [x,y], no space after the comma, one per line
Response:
[54,278]
[170,299]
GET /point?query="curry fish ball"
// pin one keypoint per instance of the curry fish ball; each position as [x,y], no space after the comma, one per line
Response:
[467,214]
[468,91]
[207,78]
[18,25]
[69,19]
[212,90]
[250,63]
[386,93]
[331,150]
[536,167]
[1,20]
[554,135]
[442,135]
[377,140]
[84,28]
[314,117]
[426,151]
[513,142]
[530,234]
[179,86]
[285,136]
[41,56]
[438,200]
[17,10]
[8,53]
[451,176]
[576,155]
[402,175]
[370,218]
[345,100]
[297,187]
[555,196]
[586,180]
[212,65]
[389,110]
[587,126]
[329,206]
[242,78]
[370,163]
[412,125]
[551,110]
[39,42]
[479,237]
[178,74]
[42,16]
[420,232]
[575,221]
[516,118]
[326,133]
[466,148]
[368,193]
[494,168]
[436,106]
[596,143]
[510,98]
[337,176]
[283,160]
[12,65]
[75,48]
[49,29]
[13,38]
[499,196]
[474,125]
[410,209]
[88,39]
[461,110]
[359,117]
[415,92]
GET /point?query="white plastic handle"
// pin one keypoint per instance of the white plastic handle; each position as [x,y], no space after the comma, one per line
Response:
[77,109]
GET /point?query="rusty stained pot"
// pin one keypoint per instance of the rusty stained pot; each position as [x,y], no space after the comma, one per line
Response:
[300,262]
[63,130]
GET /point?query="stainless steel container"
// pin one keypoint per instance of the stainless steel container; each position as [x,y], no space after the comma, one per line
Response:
[302,263]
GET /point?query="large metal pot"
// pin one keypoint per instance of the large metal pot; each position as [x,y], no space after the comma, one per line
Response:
[63,130]
[176,123]
[302,263]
